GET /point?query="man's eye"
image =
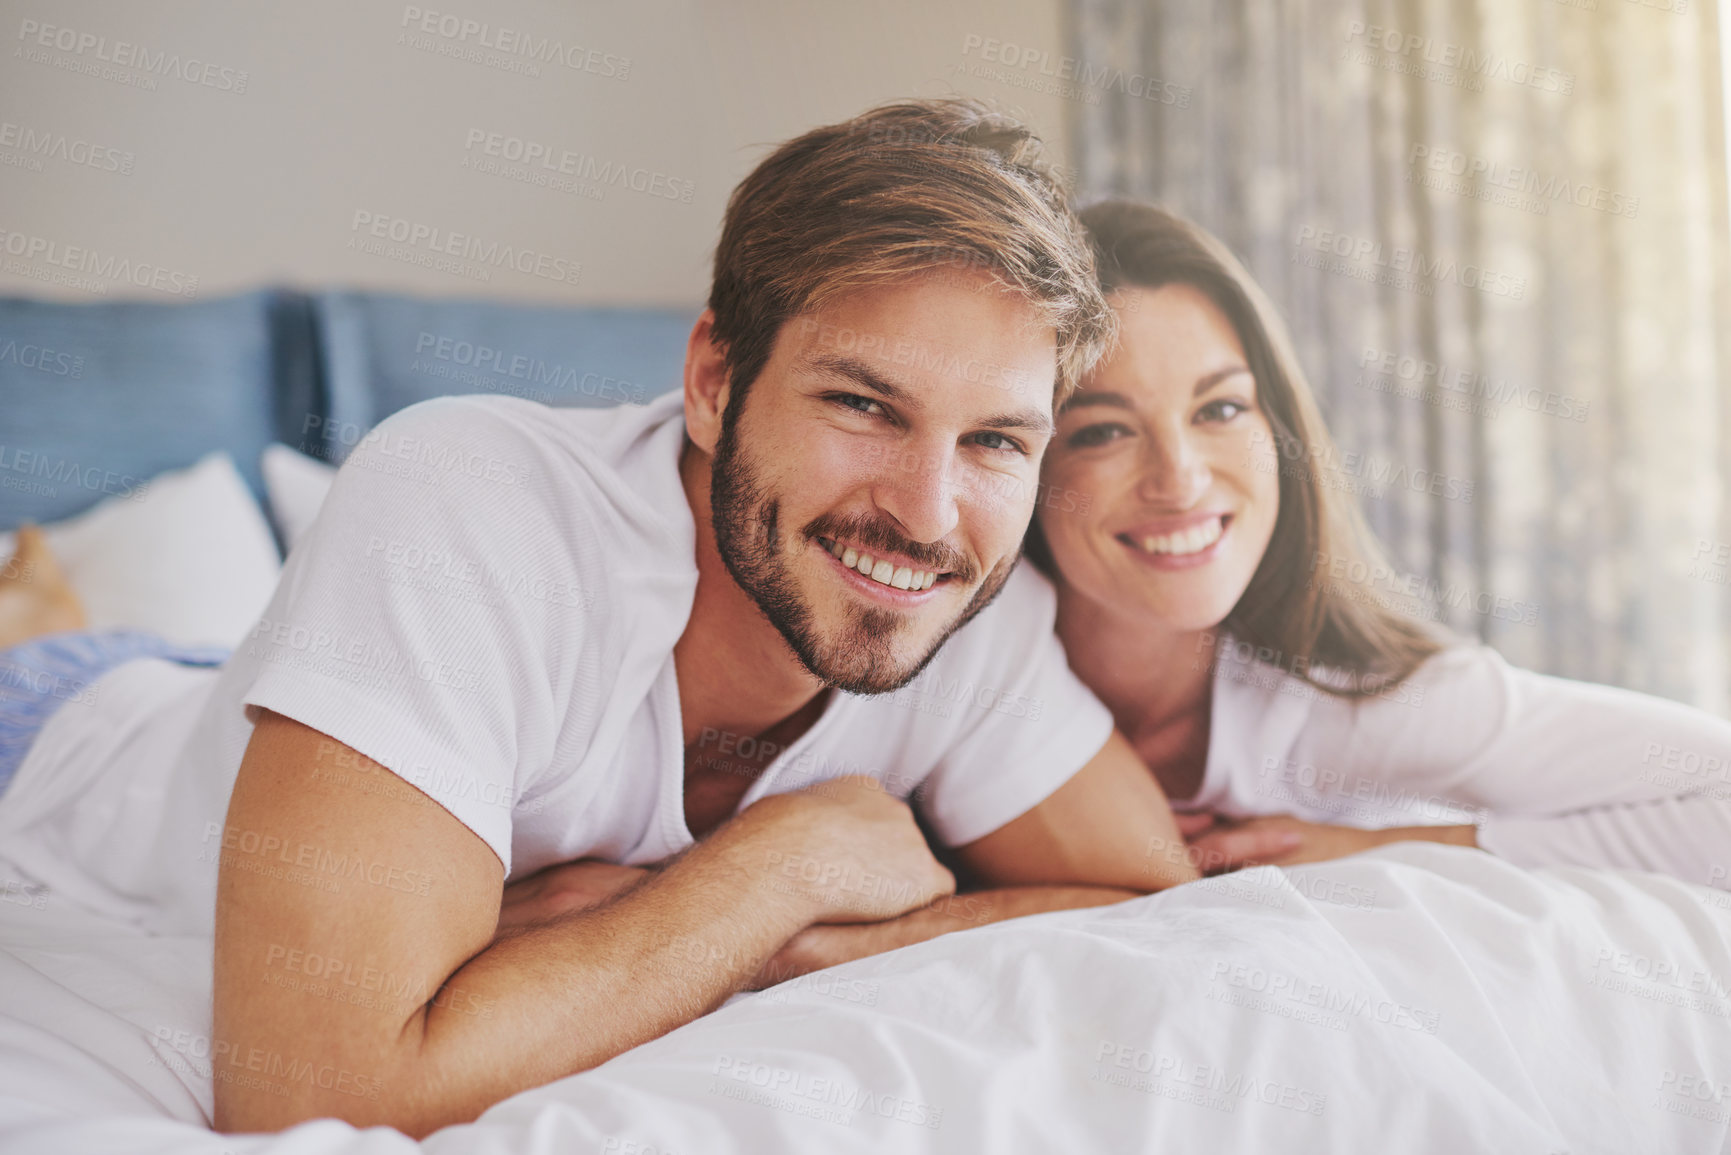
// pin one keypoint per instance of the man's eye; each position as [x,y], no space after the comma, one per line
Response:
[1222,410]
[993,440]
[1091,435]
[857,403]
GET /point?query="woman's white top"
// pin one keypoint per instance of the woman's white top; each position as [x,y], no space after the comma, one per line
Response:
[1552,772]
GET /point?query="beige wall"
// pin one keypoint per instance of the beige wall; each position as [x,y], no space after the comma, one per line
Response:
[270,127]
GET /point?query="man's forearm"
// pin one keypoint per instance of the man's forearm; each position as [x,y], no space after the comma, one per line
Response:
[566,995]
[1447,835]
[827,945]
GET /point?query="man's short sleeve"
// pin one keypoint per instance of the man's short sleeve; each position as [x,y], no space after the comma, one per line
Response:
[1026,722]
[425,617]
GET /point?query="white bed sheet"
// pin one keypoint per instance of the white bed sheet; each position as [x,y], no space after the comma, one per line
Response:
[1416,999]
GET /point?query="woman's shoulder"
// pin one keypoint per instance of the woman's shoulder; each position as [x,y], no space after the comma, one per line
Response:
[1464,674]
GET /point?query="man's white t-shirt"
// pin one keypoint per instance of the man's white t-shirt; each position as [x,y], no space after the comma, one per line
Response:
[487,605]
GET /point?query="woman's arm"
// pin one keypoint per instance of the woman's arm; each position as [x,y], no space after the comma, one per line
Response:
[1539,770]
[1282,840]
[1688,837]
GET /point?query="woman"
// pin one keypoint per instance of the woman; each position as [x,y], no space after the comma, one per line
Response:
[1220,593]
[47,657]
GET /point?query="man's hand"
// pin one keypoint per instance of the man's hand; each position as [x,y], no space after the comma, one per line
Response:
[1218,844]
[854,888]
[826,944]
[865,863]
[1104,836]
[845,850]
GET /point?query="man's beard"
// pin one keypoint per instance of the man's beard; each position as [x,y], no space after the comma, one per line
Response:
[748,535]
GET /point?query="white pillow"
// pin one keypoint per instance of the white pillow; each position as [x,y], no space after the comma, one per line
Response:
[296,486]
[191,558]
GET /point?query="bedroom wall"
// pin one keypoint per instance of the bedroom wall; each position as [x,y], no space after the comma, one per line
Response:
[199,146]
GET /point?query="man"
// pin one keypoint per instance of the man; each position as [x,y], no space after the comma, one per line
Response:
[707,637]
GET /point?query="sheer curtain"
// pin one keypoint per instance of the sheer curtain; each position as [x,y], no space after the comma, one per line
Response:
[1498,232]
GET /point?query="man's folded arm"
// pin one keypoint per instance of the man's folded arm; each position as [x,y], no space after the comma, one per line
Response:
[1109,825]
[1106,835]
[357,974]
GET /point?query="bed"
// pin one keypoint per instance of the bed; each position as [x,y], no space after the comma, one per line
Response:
[1418,998]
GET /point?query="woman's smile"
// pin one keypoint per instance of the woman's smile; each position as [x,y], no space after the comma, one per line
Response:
[1177,543]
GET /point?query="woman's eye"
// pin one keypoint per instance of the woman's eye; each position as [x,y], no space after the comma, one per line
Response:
[1091,435]
[1222,410]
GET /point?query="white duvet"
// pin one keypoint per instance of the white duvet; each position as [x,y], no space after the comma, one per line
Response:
[1417,999]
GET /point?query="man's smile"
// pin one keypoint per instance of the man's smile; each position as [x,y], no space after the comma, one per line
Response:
[884,576]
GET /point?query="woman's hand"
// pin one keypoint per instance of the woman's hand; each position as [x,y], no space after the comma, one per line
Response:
[563,888]
[1281,840]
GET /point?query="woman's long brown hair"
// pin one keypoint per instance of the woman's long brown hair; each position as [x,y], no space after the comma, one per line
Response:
[1340,636]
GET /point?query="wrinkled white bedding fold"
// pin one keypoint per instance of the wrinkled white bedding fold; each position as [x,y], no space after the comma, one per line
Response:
[1417,999]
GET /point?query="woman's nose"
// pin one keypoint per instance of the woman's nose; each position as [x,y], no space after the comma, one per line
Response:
[1174,472]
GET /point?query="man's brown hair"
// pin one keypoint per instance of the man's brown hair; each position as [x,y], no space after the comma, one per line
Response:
[905,188]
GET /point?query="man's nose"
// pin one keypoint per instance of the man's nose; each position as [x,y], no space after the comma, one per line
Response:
[917,490]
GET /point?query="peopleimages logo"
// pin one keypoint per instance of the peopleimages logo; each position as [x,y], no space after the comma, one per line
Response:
[59,471]
[1368,257]
[459,355]
[101,268]
[1371,474]
[1311,785]
[37,143]
[1065,70]
[1426,598]
[1420,376]
[42,359]
[1414,51]
[580,166]
[434,243]
[125,54]
[1220,1088]
[822,1097]
[1515,178]
[513,44]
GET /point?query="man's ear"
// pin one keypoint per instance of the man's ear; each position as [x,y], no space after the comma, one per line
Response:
[706,384]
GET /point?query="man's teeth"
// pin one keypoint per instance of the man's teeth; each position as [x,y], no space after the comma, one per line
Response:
[899,577]
[1185,541]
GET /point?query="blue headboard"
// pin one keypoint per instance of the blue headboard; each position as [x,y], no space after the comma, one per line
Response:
[381,353]
[96,398]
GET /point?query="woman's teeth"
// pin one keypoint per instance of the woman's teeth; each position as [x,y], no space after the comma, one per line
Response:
[897,577]
[1185,541]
